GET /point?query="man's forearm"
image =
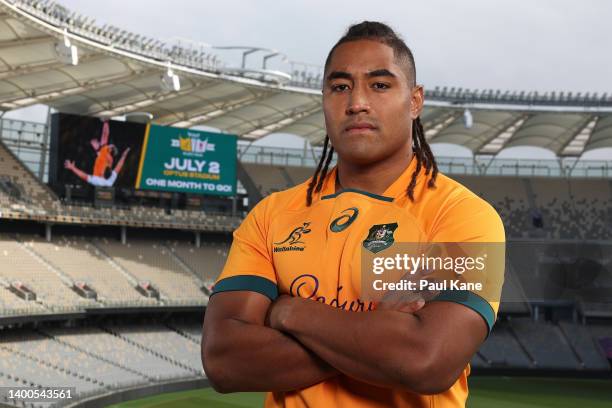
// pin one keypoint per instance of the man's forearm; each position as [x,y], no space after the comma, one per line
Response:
[241,356]
[80,174]
[372,346]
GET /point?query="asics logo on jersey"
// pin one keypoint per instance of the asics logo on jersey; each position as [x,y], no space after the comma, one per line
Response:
[342,222]
[295,235]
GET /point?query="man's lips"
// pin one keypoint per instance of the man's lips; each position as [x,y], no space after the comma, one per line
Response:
[359,127]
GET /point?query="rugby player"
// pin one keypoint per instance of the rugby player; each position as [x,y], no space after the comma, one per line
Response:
[287,314]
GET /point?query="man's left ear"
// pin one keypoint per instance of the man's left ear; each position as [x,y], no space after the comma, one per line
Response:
[417,101]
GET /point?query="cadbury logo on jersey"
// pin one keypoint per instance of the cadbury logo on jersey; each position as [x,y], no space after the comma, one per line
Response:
[293,242]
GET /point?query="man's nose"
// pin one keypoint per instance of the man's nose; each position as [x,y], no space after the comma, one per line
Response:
[358,102]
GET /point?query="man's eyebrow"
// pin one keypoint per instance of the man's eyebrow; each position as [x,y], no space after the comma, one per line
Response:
[381,72]
[376,73]
[339,75]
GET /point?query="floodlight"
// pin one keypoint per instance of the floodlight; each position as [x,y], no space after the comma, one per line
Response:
[468,120]
[66,52]
[170,82]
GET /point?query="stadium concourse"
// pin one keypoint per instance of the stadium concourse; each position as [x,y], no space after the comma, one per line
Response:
[105,292]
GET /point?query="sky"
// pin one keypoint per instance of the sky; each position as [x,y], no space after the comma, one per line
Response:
[537,45]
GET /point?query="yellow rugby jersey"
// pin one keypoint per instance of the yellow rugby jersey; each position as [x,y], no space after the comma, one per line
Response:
[314,252]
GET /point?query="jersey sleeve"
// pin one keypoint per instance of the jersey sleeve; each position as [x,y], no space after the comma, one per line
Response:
[249,263]
[472,221]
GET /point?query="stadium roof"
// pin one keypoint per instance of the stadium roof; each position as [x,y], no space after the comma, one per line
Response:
[52,56]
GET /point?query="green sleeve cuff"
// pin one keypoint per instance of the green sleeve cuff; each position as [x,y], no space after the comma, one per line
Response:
[247,282]
[471,300]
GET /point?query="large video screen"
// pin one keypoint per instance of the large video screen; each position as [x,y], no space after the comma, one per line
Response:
[93,152]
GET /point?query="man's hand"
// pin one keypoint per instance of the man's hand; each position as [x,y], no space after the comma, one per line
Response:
[69,164]
[280,310]
[401,302]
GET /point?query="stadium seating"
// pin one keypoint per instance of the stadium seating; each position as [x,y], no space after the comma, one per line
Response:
[69,359]
[83,262]
[154,263]
[299,174]
[98,359]
[116,355]
[207,262]
[21,264]
[268,179]
[501,349]
[35,197]
[546,344]
[157,338]
[586,347]
[178,269]
[133,357]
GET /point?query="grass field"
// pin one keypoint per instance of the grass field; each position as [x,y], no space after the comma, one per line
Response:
[485,392]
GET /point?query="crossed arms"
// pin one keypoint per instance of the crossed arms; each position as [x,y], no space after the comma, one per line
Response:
[250,343]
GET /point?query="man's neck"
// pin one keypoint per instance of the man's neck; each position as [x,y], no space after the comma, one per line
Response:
[375,178]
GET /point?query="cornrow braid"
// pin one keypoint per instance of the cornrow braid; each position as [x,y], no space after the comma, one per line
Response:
[330,154]
[317,179]
[424,157]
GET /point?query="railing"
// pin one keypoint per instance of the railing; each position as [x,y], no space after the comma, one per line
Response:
[480,166]
[27,141]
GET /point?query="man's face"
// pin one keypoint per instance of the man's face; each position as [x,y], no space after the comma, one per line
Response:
[369,103]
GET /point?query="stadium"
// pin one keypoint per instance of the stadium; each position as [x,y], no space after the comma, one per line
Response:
[105,275]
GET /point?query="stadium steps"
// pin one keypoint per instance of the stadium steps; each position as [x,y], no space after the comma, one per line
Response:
[522,346]
[60,274]
[94,355]
[572,346]
[286,176]
[55,367]
[63,277]
[545,343]
[589,351]
[253,192]
[182,333]
[150,351]
[176,258]
[126,274]
[133,280]
[478,360]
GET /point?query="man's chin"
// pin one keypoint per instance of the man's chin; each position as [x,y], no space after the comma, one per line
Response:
[360,157]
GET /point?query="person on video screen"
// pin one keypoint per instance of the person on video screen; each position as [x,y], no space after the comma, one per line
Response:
[103,173]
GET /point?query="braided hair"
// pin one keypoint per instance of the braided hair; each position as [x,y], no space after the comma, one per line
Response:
[369,30]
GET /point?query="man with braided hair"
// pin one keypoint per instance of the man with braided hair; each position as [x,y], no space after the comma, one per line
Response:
[292,319]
